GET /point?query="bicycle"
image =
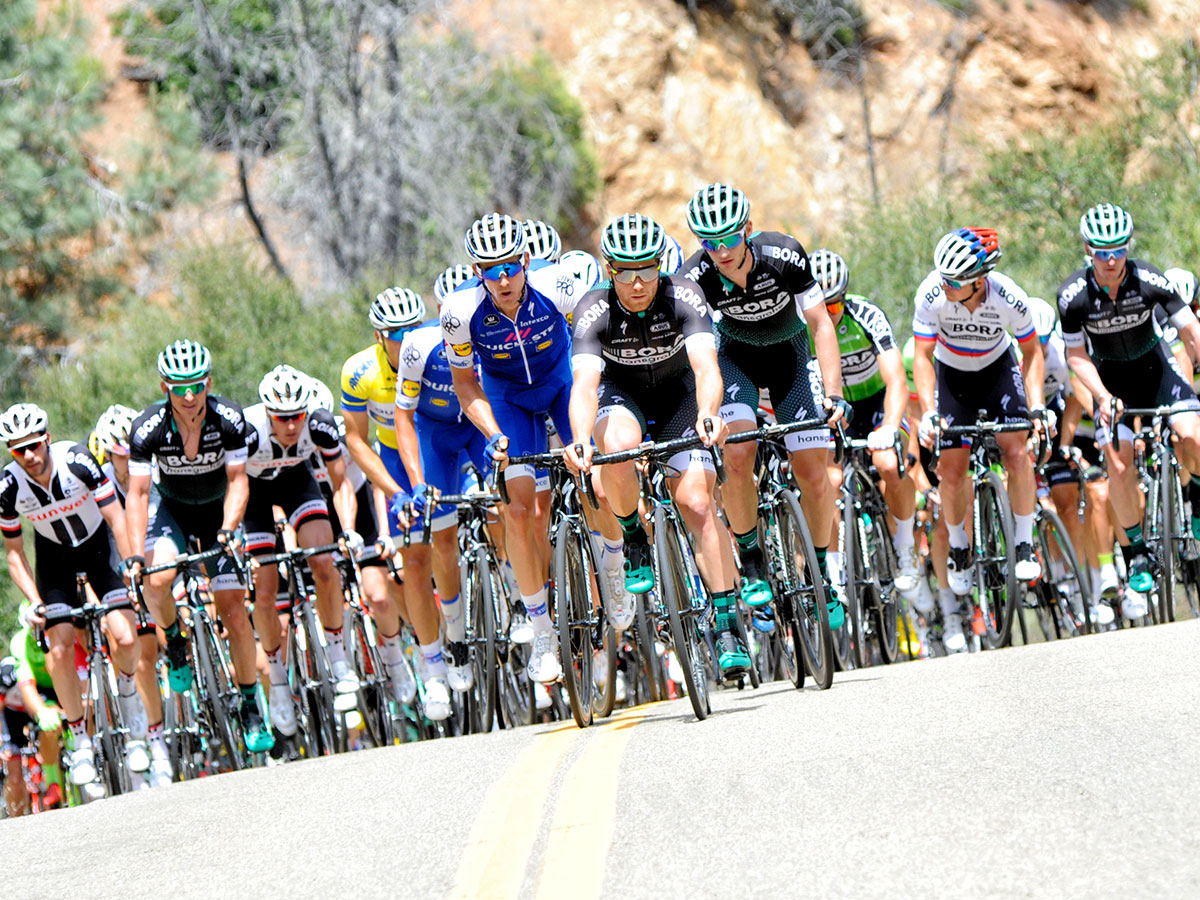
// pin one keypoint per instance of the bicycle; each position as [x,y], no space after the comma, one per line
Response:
[993,596]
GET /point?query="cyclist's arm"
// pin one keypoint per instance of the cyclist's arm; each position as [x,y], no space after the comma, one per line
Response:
[137,509]
[18,567]
[345,500]
[237,495]
[1084,369]
[336,467]
[923,374]
[1191,339]
[895,398]
[829,358]
[360,451]
[1072,413]
[33,701]
[407,444]
[585,403]
[474,401]
[1033,368]
[710,389]
[114,515]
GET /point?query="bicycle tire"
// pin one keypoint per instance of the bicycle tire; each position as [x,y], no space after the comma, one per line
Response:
[880,615]
[374,689]
[804,589]
[995,580]
[482,640]
[574,575]
[744,633]
[648,659]
[1165,549]
[106,729]
[333,726]
[669,577]
[1053,535]
[848,645]
[215,696]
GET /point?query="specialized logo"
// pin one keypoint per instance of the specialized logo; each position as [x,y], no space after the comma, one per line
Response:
[410,388]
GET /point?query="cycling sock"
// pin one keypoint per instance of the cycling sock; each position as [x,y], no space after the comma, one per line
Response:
[391,650]
[748,541]
[1096,576]
[904,533]
[52,773]
[248,699]
[335,644]
[156,738]
[173,631]
[79,733]
[538,611]
[723,604]
[435,660]
[958,535]
[611,556]
[1024,529]
[126,687]
[822,563]
[456,625]
[1136,544]
[631,526]
[1105,559]
[275,665]
[948,601]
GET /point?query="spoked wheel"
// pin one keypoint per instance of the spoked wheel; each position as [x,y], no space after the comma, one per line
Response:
[184,746]
[109,743]
[878,577]
[995,581]
[744,634]
[333,729]
[575,584]
[802,591]
[848,643]
[217,697]
[311,738]
[690,651]
[1068,585]
[649,660]
[1164,548]
[604,697]
[481,699]
[374,693]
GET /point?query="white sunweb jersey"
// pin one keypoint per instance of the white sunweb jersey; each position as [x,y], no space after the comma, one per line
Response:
[966,340]
[67,511]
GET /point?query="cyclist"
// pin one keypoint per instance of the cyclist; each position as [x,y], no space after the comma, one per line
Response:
[645,362]
[369,396]
[451,279]
[964,314]
[583,266]
[197,442]
[59,488]
[27,696]
[761,285]
[109,443]
[874,383]
[282,434]
[515,323]
[1116,349]
[672,258]
[542,242]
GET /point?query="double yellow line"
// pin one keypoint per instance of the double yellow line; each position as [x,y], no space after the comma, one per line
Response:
[501,843]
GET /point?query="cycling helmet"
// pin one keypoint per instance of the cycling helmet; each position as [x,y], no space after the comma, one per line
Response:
[831,273]
[967,253]
[112,428]
[1043,317]
[1105,226]
[285,390]
[22,420]
[494,238]
[1184,284]
[633,238]
[717,210]
[184,361]
[583,266]
[450,280]
[542,241]
[321,397]
[672,258]
[396,307]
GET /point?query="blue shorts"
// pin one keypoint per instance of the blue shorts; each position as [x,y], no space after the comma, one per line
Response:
[521,411]
[391,462]
[445,448]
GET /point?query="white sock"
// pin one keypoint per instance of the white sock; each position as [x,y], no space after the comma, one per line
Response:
[1096,576]
[612,557]
[391,650]
[456,624]
[537,608]
[1024,533]
[903,537]
[126,687]
[948,602]
[275,665]
[958,534]
[435,662]
[335,645]
[833,560]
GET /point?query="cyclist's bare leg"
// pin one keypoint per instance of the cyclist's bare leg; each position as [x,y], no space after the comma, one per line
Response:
[898,493]
[1123,493]
[445,562]
[1097,521]
[1022,485]
[266,618]
[147,677]
[954,488]
[122,640]
[16,797]
[378,591]
[939,548]
[239,632]
[739,493]
[835,480]
[526,543]
[1066,504]
[157,587]
[617,482]
[423,612]
[809,467]
[693,493]
[60,661]
[1187,448]
[317,533]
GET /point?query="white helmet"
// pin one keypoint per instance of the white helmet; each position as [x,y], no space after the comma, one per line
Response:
[285,390]
[1183,283]
[396,307]
[184,361]
[321,397]
[967,253]
[112,428]
[542,240]
[672,258]
[831,273]
[449,281]
[22,420]
[494,238]
[1106,225]
[583,266]
[1043,317]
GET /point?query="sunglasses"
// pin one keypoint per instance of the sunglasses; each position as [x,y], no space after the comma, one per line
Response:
[958,285]
[396,334]
[28,447]
[501,270]
[288,417]
[1112,253]
[728,242]
[628,276]
[182,390]
[118,450]
[834,307]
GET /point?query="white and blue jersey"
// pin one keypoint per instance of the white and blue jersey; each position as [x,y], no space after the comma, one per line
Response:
[972,340]
[425,384]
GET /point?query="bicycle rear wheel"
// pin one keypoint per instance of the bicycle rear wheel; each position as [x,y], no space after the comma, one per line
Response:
[995,581]
[677,598]
[216,696]
[108,735]
[880,600]
[802,591]
[482,639]
[1164,548]
[574,578]
[1069,585]
[848,642]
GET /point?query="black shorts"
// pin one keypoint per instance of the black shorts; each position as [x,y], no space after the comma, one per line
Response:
[364,521]
[181,523]
[293,490]
[14,738]
[57,566]
[1152,379]
[1057,471]
[665,412]
[997,389]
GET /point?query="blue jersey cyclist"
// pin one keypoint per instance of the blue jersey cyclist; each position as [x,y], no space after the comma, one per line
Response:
[514,324]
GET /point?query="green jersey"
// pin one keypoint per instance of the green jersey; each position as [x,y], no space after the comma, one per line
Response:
[863,333]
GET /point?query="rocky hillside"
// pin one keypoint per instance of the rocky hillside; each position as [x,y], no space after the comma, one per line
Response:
[672,102]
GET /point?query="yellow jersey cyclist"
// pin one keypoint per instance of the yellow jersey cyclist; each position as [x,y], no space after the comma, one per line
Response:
[58,486]
[761,287]
[1115,347]
[874,383]
[369,398]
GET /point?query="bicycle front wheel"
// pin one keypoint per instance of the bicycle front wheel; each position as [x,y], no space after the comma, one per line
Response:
[1070,587]
[574,581]
[217,695]
[677,598]
[1164,533]
[802,590]
[996,582]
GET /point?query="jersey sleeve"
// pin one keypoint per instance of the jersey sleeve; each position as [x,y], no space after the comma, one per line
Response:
[586,352]
[83,466]
[233,433]
[412,369]
[876,325]
[354,396]
[694,320]
[323,430]
[1072,310]
[456,328]
[558,285]
[141,451]
[925,319]
[10,519]
[1156,287]
[1020,313]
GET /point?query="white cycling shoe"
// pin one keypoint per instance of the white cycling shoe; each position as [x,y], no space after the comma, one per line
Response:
[83,766]
[544,666]
[621,604]
[953,638]
[133,715]
[908,571]
[283,709]
[1135,605]
[437,699]
[346,684]
[458,668]
[137,757]
[404,685]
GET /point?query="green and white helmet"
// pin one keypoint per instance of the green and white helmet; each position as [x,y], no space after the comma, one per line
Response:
[633,238]
[1106,225]
[830,272]
[717,210]
[1183,283]
[184,361]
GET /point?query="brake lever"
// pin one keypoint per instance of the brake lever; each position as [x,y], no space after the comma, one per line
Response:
[717,458]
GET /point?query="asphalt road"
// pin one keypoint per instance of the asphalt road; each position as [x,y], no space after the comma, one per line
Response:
[1056,770]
